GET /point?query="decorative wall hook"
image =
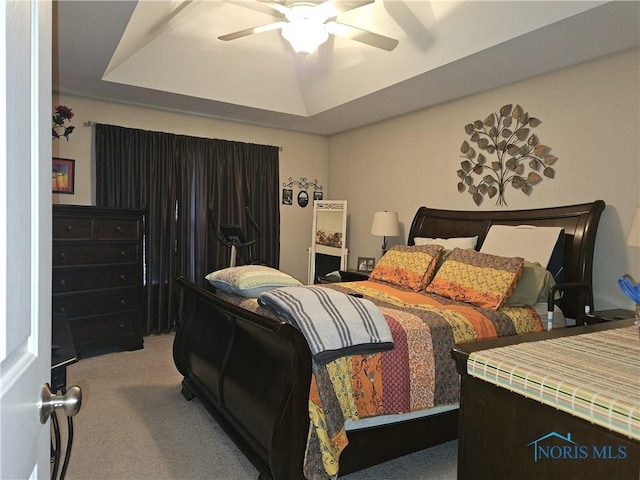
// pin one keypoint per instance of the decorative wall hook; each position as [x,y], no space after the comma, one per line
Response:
[303,183]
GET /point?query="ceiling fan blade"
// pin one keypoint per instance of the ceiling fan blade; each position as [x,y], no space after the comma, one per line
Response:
[250,31]
[166,24]
[332,8]
[276,6]
[265,7]
[174,17]
[362,36]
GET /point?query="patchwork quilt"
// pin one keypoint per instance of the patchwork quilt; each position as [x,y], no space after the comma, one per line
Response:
[418,374]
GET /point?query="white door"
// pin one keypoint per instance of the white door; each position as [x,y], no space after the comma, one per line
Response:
[25,235]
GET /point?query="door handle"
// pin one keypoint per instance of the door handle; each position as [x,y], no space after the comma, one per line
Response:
[70,402]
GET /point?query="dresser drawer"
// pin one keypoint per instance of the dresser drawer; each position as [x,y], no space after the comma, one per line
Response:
[75,279]
[117,228]
[90,253]
[72,228]
[103,329]
[76,305]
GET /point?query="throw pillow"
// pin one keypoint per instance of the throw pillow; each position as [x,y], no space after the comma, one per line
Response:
[408,266]
[480,279]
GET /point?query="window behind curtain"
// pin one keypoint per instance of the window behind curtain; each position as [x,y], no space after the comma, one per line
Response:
[181,181]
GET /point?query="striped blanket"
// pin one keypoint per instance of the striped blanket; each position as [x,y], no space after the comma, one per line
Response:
[333,323]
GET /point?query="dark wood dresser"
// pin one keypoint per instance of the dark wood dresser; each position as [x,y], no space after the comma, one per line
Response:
[98,275]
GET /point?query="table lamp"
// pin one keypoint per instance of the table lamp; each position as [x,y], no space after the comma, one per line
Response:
[385,224]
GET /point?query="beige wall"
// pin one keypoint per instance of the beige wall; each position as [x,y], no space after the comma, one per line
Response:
[302,155]
[591,119]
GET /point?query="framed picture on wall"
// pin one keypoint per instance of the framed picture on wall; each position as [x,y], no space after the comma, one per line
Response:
[303,198]
[287,196]
[317,195]
[63,175]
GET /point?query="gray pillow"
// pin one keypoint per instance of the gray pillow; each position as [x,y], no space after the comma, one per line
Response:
[532,287]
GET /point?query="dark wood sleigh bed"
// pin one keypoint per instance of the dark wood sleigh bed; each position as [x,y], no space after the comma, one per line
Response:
[253,372]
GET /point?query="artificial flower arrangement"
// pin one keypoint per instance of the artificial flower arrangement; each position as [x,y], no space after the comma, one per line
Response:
[62,114]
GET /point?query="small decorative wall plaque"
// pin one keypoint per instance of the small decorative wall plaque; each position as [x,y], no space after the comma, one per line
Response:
[507,134]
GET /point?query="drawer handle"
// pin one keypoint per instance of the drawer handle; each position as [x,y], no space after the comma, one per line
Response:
[118,229]
[123,277]
[123,302]
[62,310]
[121,326]
[68,229]
[123,254]
[62,283]
[63,256]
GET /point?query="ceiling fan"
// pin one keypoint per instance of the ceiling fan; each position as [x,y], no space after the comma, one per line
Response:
[307,25]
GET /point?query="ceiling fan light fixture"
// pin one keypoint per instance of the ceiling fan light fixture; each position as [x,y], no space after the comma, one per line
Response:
[305,36]
[308,25]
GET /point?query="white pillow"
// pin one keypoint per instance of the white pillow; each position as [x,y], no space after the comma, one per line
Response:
[449,243]
[534,244]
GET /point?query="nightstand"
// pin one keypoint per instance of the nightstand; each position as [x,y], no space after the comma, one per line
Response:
[353,275]
[602,316]
[328,279]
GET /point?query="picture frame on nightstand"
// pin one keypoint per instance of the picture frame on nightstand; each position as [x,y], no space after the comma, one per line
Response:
[366,264]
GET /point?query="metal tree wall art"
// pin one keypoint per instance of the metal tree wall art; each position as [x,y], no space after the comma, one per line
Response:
[508,135]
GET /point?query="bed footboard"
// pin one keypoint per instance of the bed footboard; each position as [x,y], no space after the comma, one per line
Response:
[252,373]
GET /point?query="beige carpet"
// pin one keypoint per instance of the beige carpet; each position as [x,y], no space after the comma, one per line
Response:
[135,424]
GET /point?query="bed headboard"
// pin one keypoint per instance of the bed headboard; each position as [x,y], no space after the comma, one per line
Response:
[580,223]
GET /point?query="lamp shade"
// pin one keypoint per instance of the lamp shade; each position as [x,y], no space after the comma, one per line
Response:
[385,224]
[634,235]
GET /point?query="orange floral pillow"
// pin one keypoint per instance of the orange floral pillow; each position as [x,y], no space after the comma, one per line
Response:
[408,266]
[481,279]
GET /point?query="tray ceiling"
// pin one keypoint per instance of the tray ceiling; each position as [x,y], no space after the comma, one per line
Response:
[167,55]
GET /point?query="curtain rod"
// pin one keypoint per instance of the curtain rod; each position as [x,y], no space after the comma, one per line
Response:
[91,123]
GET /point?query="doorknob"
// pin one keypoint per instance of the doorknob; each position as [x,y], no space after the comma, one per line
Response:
[70,402]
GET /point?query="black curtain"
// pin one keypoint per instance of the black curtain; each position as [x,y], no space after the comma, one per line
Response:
[182,183]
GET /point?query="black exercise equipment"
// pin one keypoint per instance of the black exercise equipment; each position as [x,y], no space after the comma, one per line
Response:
[232,236]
